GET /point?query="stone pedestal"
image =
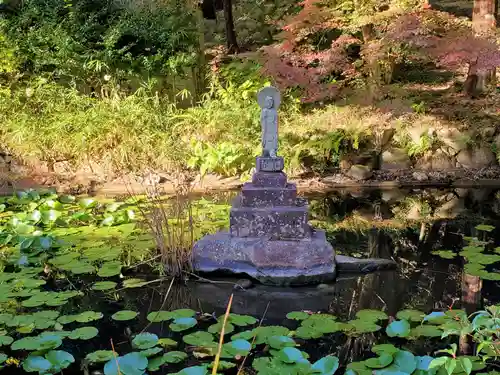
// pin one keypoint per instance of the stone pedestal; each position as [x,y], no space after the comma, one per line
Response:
[269,237]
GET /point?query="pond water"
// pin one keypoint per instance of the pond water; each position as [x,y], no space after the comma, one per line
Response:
[417,228]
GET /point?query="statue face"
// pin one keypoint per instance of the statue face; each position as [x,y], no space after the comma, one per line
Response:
[269,102]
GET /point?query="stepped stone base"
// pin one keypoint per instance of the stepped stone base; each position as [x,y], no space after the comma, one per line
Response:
[284,262]
[276,223]
[257,196]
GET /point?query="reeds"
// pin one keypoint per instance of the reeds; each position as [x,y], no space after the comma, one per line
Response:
[170,221]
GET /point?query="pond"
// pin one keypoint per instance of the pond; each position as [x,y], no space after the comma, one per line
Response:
[98,290]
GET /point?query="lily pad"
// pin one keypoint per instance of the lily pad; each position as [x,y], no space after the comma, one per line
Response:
[6,340]
[59,359]
[134,283]
[426,331]
[217,328]
[379,362]
[151,351]
[410,315]
[371,315]
[194,370]
[132,363]
[124,315]
[199,338]
[182,324]
[280,342]
[175,357]
[237,347]
[241,320]
[183,313]
[145,340]
[398,328]
[290,355]
[159,316]
[326,366]
[83,333]
[297,315]
[36,364]
[88,316]
[100,356]
[104,285]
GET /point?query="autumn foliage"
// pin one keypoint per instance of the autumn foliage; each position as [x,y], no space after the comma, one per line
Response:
[367,42]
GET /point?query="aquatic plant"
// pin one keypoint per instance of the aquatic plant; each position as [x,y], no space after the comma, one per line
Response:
[478,254]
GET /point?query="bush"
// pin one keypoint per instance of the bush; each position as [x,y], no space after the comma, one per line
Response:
[84,40]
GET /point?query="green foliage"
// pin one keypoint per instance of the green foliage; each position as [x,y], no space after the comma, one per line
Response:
[85,40]
[226,159]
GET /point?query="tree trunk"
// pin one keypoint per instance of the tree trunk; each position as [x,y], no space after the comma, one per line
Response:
[484,24]
[232,43]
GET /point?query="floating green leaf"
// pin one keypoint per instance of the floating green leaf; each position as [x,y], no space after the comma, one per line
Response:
[175,357]
[167,343]
[59,359]
[485,228]
[104,285]
[199,338]
[132,363]
[194,370]
[36,364]
[124,315]
[241,320]
[398,328]
[100,356]
[159,316]
[83,333]
[109,269]
[182,324]
[6,340]
[88,316]
[445,254]
[297,315]
[384,360]
[134,283]
[410,315]
[426,331]
[371,315]
[145,340]
[326,366]
[279,342]
[183,313]
[151,352]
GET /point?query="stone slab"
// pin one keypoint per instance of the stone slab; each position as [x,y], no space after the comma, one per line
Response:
[308,261]
[257,196]
[275,223]
[363,265]
[269,164]
[271,179]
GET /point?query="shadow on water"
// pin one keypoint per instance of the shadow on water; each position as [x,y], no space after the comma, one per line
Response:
[403,225]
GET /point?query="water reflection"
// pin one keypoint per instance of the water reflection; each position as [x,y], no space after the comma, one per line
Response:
[405,225]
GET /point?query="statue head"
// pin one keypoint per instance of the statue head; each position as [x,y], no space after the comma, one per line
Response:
[268,98]
[269,102]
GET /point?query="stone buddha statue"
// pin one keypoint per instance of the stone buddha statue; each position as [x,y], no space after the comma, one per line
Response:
[269,100]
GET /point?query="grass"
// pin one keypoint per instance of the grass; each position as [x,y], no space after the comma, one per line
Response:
[49,123]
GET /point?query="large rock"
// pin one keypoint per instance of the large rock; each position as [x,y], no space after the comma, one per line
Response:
[454,139]
[496,142]
[451,209]
[294,262]
[360,172]
[395,159]
[368,158]
[481,157]
[441,161]
[386,137]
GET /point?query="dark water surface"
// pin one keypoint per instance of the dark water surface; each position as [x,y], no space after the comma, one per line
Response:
[402,225]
